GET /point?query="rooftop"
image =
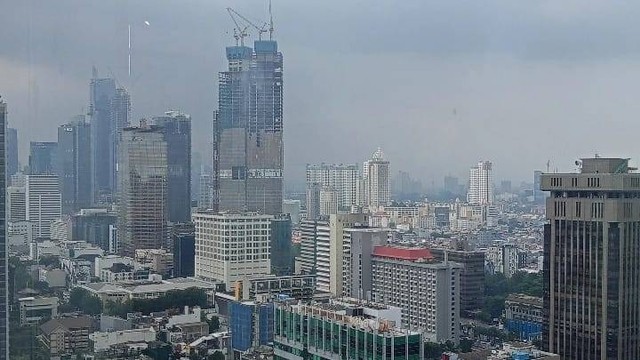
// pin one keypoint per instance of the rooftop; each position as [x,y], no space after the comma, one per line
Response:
[402,253]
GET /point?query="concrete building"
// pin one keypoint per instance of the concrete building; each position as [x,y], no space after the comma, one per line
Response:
[292,207]
[377,181]
[149,289]
[183,237]
[16,204]
[343,179]
[95,226]
[42,157]
[471,276]
[281,246]
[428,291]
[13,163]
[523,316]
[65,336]
[481,184]
[269,288]
[591,256]
[504,259]
[305,263]
[313,201]
[538,195]
[357,275]
[232,246]
[35,309]
[105,341]
[248,148]
[4,304]
[176,128]
[251,325]
[342,331]
[328,201]
[44,202]
[73,165]
[143,206]
[160,261]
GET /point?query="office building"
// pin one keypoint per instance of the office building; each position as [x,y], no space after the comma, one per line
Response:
[358,245]
[16,204]
[232,246]
[271,287]
[44,202]
[591,258]
[471,276]
[176,128]
[248,126]
[328,201]
[341,330]
[427,290]
[377,183]
[13,159]
[74,165]
[281,246]
[342,178]
[183,237]
[143,205]
[109,110]
[4,303]
[481,184]
[251,325]
[523,316]
[43,157]
[95,226]
[313,201]
[292,207]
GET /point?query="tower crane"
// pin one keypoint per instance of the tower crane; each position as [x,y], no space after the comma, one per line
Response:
[260,29]
[239,32]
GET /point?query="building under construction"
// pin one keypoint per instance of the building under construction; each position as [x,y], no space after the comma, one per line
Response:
[248,151]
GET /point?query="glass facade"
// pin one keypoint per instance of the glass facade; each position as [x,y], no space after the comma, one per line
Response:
[4,339]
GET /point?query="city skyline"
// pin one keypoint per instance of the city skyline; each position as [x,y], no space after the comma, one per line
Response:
[463,75]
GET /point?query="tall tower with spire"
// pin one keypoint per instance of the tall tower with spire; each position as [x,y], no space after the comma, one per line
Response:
[377,181]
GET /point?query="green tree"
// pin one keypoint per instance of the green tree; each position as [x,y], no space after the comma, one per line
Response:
[218,355]
[82,300]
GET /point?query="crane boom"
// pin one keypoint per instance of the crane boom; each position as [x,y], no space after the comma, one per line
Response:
[261,29]
[239,33]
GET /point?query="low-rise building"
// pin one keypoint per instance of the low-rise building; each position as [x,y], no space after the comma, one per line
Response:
[149,289]
[523,316]
[104,341]
[69,335]
[35,309]
[159,260]
[301,287]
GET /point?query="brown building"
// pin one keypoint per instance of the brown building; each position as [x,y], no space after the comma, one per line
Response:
[67,335]
[471,277]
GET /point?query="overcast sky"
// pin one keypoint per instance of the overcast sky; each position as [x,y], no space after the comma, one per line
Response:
[438,85]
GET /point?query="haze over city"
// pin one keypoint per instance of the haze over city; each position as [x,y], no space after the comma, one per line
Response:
[438,86]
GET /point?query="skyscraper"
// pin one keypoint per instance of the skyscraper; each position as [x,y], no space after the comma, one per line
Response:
[44,203]
[142,189]
[109,109]
[13,165]
[313,201]
[481,184]
[74,165]
[184,249]
[4,304]
[377,180]
[42,157]
[342,178]
[176,128]
[248,151]
[592,261]
[538,194]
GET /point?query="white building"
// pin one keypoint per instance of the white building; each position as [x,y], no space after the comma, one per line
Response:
[328,201]
[481,184]
[43,202]
[343,179]
[232,246]
[35,309]
[377,181]
[504,259]
[103,341]
[61,229]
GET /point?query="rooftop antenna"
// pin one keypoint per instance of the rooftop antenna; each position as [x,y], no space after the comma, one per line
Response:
[270,22]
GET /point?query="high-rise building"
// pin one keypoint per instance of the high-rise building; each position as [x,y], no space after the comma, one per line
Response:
[281,246]
[42,157]
[504,259]
[74,165]
[143,205]
[313,201]
[95,226]
[13,163]
[292,207]
[471,276]
[4,304]
[247,142]
[591,261]
[184,249]
[232,246]
[358,244]
[328,201]
[377,181]
[109,109]
[538,194]
[176,128]
[427,290]
[306,261]
[44,202]
[481,184]
[16,204]
[342,178]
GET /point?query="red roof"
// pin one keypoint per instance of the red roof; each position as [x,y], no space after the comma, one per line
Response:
[402,253]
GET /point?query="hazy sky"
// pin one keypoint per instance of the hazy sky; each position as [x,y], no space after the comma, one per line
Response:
[438,85]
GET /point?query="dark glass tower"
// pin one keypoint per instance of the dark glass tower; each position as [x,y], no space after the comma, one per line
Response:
[247,133]
[74,165]
[184,249]
[4,328]
[592,261]
[281,246]
[42,157]
[176,128]
[12,152]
